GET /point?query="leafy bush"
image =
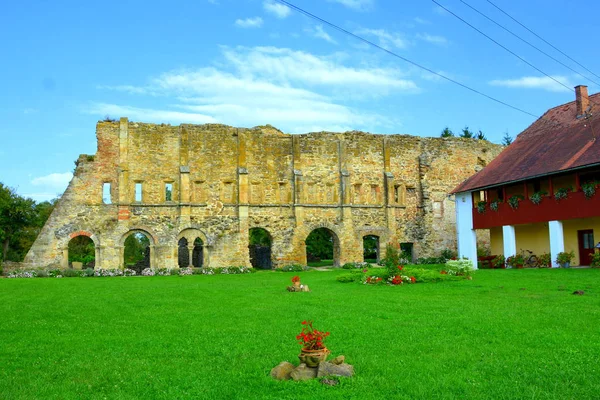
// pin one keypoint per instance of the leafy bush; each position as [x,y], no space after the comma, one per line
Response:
[186,271]
[71,273]
[391,257]
[354,276]
[595,260]
[22,274]
[292,268]
[88,272]
[462,267]
[355,265]
[431,260]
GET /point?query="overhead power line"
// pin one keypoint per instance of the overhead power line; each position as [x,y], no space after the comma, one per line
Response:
[541,38]
[528,43]
[370,43]
[502,46]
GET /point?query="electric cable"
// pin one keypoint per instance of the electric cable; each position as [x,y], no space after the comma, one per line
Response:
[528,43]
[541,38]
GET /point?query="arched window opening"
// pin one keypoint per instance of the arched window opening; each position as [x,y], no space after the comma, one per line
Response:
[260,248]
[183,253]
[198,253]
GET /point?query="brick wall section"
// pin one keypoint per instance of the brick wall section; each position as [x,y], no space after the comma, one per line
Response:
[229,180]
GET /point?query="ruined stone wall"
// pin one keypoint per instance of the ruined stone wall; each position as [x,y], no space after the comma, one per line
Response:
[228,180]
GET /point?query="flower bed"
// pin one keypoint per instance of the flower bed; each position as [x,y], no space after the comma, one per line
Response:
[410,274]
[112,272]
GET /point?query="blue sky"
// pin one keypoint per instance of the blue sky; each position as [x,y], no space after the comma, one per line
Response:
[67,64]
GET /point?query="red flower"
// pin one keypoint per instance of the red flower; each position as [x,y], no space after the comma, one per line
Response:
[400,267]
[310,338]
[413,280]
[443,272]
[295,279]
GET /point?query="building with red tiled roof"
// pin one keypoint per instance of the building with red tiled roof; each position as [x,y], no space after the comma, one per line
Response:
[539,195]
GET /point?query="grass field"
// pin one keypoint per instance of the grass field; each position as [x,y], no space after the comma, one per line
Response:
[507,334]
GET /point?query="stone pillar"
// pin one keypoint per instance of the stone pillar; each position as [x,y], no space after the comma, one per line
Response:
[557,240]
[124,199]
[152,256]
[190,256]
[466,237]
[64,263]
[510,241]
[97,256]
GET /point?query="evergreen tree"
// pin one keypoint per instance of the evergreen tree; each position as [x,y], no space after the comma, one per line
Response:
[446,132]
[507,139]
[466,133]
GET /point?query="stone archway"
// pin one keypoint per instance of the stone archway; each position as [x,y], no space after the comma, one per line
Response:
[82,247]
[138,248]
[323,243]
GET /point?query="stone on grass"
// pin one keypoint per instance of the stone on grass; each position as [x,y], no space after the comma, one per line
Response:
[282,371]
[303,373]
[328,369]
[338,360]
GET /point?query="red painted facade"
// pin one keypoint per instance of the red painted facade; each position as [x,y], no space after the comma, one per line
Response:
[576,205]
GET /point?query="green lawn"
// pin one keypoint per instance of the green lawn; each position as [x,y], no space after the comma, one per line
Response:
[507,334]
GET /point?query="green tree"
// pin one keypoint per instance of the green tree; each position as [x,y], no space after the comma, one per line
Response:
[16,214]
[320,244]
[466,133]
[446,132]
[135,248]
[480,135]
[507,139]
[260,237]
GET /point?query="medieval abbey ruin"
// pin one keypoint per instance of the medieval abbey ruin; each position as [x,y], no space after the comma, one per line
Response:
[201,189]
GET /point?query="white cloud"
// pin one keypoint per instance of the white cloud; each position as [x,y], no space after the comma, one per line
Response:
[53,185]
[535,82]
[360,5]
[432,38]
[440,11]
[320,33]
[421,21]
[293,90]
[148,114]
[249,22]
[386,39]
[277,9]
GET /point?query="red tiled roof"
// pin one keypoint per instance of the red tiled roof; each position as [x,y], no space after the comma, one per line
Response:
[556,142]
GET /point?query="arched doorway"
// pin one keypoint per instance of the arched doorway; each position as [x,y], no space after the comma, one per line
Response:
[260,248]
[82,250]
[198,253]
[322,248]
[136,254]
[371,249]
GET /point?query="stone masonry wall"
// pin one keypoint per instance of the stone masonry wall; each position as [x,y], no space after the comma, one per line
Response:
[228,180]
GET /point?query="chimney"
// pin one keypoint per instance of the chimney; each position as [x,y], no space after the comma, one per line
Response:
[581,96]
